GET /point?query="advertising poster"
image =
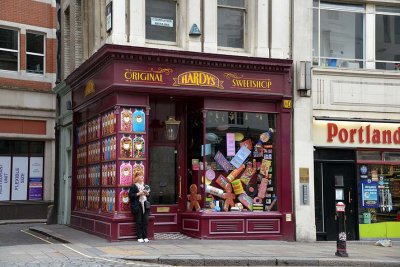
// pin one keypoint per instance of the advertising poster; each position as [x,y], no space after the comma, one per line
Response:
[369,194]
[36,178]
[5,168]
[19,185]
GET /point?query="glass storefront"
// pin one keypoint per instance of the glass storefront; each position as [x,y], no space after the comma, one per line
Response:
[379,194]
[238,155]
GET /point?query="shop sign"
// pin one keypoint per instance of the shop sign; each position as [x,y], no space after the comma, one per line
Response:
[369,194]
[162,22]
[5,168]
[356,134]
[19,178]
[199,78]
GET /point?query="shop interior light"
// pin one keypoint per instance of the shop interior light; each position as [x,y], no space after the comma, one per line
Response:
[171,128]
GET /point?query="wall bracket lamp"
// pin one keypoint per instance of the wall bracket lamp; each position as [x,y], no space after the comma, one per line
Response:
[304,78]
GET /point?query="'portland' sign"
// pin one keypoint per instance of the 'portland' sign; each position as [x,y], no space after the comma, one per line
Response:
[356,134]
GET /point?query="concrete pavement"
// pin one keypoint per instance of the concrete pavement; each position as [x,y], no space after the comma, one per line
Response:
[195,252]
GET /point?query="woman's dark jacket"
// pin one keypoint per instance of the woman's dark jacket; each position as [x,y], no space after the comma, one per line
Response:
[134,198]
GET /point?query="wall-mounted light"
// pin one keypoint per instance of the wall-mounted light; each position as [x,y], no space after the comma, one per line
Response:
[171,128]
[304,78]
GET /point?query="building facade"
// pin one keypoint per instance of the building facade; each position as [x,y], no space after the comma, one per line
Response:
[355,116]
[27,107]
[221,69]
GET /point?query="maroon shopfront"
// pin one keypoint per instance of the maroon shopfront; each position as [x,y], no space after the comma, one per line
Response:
[222,123]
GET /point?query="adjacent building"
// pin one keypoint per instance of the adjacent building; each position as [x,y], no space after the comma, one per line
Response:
[27,108]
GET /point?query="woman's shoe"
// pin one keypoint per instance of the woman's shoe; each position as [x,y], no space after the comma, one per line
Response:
[146,240]
[140,240]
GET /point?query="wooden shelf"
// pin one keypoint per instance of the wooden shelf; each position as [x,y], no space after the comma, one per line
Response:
[106,161]
[107,186]
[126,159]
[125,132]
[92,140]
[108,135]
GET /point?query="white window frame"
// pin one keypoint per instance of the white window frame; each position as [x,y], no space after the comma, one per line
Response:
[385,14]
[337,7]
[245,30]
[36,54]
[12,50]
[160,42]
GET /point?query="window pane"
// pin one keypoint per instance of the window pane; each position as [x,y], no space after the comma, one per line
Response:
[236,3]
[341,34]
[35,43]
[387,40]
[230,27]
[34,64]
[162,174]
[5,147]
[161,20]
[388,9]
[8,60]
[37,148]
[21,147]
[250,171]
[315,33]
[369,155]
[8,39]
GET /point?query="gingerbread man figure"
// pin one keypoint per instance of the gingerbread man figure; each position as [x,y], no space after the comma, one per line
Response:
[229,197]
[194,198]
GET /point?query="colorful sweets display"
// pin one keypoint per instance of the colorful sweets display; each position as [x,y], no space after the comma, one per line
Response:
[139,120]
[125,174]
[126,120]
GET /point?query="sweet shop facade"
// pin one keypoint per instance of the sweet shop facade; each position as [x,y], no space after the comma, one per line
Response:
[211,134]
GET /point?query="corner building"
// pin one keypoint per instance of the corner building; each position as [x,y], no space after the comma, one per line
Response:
[201,108]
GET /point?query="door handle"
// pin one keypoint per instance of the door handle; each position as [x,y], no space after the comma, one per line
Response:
[180,187]
[350,200]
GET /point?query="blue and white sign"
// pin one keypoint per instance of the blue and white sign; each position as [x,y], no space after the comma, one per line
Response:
[5,178]
[363,170]
[19,187]
[369,194]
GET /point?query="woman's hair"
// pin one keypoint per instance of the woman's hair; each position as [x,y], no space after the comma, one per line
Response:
[136,177]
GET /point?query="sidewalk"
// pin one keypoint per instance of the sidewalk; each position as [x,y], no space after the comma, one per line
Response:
[195,252]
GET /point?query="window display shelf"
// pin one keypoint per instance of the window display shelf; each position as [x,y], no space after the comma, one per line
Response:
[107,186]
[127,132]
[108,135]
[109,160]
[127,159]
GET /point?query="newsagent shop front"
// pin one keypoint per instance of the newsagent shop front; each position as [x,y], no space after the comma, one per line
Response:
[210,133]
[357,163]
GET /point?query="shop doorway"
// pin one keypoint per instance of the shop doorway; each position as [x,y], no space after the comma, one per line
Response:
[166,164]
[335,181]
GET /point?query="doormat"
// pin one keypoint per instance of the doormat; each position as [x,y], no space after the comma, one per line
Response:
[170,236]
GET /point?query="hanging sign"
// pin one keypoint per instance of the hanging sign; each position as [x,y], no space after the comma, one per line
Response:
[5,168]
[369,194]
[19,178]
[36,178]
[230,144]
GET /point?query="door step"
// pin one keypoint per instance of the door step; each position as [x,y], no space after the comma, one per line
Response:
[170,236]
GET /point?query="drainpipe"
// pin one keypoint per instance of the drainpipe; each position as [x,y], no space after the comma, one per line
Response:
[202,24]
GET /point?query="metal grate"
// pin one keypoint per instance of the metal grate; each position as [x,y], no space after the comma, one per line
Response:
[170,236]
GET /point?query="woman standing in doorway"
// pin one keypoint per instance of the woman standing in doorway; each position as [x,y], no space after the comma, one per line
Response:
[138,196]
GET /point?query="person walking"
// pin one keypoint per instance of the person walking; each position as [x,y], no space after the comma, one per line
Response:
[138,196]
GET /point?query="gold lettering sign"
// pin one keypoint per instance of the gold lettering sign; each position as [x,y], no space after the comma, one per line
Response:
[198,78]
[163,209]
[239,81]
[89,88]
[150,76]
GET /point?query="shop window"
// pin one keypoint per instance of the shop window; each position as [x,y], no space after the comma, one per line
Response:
[5,147]
[387,38]
[162,173]
[379,198]
[21,147]
[238,163]
[231,23]
[369,155]
[35,53]
[21,170]
[36,148]
[161,20]
[338,35]
[9,49]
